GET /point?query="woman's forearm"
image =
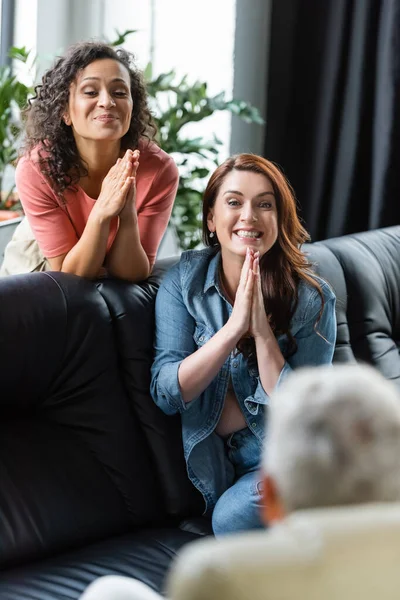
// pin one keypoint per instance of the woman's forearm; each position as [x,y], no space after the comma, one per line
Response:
[127,259]
[197,371]
[270,362]
[87,256]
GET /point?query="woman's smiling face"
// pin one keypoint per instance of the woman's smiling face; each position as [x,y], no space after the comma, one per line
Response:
[244,214]
[100,101]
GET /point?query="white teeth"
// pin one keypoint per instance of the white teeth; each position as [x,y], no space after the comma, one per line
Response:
[248,234]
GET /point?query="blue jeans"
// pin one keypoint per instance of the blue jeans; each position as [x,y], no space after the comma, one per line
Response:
[239,507]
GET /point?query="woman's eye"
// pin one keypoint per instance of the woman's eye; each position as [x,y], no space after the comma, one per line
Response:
[120,94]
[233,202]
[266,205]
[90,92]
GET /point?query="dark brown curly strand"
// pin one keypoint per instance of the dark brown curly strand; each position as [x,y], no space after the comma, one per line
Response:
[285,265]
[45,127]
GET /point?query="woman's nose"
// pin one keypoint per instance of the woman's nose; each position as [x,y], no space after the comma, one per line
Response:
[248,214]
[106,100]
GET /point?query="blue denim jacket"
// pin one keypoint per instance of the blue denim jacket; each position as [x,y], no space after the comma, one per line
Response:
[190,309]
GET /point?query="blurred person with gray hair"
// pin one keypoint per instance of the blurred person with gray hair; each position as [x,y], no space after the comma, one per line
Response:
[334,439]
[331,490]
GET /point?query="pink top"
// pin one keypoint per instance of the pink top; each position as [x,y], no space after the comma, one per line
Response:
[156,184]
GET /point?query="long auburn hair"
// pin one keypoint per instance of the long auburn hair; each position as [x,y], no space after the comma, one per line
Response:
[284,266]
[45,128]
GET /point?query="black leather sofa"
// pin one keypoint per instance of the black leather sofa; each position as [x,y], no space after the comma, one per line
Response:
[92,479]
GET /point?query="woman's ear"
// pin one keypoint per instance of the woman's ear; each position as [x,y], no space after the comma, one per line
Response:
[210,221]
[67,119]
[272,508]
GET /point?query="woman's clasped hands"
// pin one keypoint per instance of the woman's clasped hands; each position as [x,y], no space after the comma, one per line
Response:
[248,315]
[118,190]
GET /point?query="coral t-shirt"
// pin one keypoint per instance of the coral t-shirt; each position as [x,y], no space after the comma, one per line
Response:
[58,227]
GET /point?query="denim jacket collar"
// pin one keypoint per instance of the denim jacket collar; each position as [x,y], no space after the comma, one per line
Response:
[212,277]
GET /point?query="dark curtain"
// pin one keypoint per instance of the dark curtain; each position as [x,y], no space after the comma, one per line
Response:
[333,111]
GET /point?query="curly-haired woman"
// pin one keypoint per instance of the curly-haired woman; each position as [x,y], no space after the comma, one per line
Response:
[232,321]
[96,190]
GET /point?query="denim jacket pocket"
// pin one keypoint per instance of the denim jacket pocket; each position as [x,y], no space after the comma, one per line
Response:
[202,334]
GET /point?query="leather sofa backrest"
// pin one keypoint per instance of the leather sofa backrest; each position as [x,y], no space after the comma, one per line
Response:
[132,310]
[364,270]
[74,462]
[328,266]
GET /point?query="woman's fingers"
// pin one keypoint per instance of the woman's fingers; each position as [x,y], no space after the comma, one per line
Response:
[132,188]
[124,164]
[124,171]
[124,167]
[127,184]
[247,265]
[135,166]
[124,191]
[249,283]
[256,269]
[119,186]
[256,263]
[258,296]
[116,171]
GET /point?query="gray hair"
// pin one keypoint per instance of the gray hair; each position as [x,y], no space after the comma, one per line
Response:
[334,438]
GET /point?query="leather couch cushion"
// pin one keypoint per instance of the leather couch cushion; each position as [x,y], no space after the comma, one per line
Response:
[144,555]
[132,309]
[364,270]
[328,266]
[74,463]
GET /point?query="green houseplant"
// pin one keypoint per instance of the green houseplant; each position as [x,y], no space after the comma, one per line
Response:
[175,104]
[13,97]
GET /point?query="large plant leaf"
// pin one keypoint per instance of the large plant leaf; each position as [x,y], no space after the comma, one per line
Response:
[22,54]
[121,37]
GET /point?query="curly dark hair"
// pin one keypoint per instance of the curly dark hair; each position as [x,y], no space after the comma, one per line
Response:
[46,129]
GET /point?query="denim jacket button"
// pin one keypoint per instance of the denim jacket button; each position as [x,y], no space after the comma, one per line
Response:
[201,339]
[235,365]
[254,425]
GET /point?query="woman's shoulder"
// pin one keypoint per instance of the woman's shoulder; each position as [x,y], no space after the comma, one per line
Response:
[311,297]
[310,291]
[31,160]
[29,165]
[192,267]
[154,158]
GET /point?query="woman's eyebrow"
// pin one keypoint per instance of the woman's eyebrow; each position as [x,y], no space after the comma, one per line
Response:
[240,193]
[265,194]
[99,79]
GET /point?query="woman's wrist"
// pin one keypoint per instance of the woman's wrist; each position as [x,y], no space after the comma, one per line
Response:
[233,334]
[265,336]
[128,218]
[268,346]
[98,218]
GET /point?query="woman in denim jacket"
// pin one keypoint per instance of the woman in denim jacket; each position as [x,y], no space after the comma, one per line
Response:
[232,321]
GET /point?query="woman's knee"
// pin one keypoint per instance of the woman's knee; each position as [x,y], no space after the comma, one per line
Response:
[239,508]
[221,517]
